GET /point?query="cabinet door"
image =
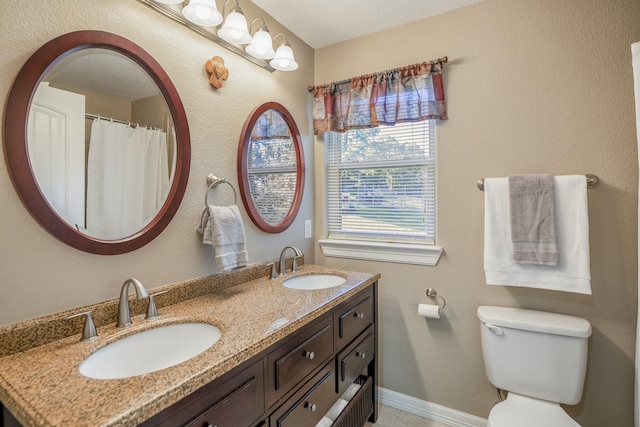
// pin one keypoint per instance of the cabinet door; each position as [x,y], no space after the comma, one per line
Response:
[308,405]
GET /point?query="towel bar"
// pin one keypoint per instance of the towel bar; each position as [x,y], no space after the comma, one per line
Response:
[592,182]
[212,182]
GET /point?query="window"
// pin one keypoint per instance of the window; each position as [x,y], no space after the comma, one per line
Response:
[381,190]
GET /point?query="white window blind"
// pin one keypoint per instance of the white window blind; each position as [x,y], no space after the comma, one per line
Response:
[381,183]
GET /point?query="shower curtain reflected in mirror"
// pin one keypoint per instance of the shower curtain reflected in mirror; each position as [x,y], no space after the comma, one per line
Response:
[127,178]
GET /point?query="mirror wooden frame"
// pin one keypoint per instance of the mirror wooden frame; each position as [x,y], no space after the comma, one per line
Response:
[17,152]
[243,177]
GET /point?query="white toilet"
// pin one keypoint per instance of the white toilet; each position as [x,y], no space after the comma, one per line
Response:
[540,358]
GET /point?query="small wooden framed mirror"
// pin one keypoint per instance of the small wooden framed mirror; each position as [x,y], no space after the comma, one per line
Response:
[271,167]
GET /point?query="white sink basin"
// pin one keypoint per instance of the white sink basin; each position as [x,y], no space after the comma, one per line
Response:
[150,350]
[314,281]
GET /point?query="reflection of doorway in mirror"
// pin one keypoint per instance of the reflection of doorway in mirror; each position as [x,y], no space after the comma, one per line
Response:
[57,150]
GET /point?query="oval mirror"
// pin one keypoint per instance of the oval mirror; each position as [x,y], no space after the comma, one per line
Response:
[271,167]
[97,142]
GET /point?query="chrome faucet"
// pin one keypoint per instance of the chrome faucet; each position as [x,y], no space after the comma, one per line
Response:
[294,268]
[124,316]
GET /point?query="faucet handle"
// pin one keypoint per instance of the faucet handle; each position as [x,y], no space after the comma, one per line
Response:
[274,273]
[152,311]
[89,332]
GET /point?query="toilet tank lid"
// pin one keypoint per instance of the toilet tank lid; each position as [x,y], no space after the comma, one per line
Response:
[534,320]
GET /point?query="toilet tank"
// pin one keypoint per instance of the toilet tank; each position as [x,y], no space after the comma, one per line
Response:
[535,353]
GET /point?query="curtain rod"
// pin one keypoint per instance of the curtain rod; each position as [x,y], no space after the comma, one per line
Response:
[111,119]
[440,61]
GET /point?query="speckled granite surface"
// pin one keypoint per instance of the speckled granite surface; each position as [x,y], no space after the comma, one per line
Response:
[41,384]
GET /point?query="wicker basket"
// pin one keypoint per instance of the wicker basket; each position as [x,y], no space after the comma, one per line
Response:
[360,408]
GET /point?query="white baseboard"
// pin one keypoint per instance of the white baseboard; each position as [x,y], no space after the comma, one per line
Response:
[429,410]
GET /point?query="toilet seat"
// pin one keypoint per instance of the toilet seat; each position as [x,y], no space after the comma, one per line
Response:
[523,411]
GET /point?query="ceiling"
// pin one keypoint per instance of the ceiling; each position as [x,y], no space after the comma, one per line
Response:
[321,23]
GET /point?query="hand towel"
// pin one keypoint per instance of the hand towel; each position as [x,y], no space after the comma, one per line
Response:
[533,219]
[572,273]
[222,228]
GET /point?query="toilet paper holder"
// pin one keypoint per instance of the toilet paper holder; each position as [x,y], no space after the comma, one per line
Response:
[432,293]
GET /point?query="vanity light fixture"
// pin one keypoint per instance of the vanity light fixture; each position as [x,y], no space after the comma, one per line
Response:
[202,12]
[234,29]
[284,60]
[261,45]
[201,15]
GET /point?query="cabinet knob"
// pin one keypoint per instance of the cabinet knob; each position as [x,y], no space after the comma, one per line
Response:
[358,315]
[362,355]
[309,355]
[311,406]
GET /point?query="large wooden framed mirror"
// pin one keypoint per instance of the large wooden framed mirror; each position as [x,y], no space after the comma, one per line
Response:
[73,100]
[271,167]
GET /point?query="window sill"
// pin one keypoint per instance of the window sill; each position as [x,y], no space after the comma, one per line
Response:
[402,253]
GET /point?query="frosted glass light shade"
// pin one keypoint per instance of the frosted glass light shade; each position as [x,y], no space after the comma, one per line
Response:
[234,29]
[261,46]
[284,60]
[202,12]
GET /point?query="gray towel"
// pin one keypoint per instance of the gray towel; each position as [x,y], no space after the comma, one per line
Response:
[533,219]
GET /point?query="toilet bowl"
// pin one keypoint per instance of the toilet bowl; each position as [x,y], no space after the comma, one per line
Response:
[539,358]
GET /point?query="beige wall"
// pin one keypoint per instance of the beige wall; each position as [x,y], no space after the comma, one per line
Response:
[540,86]
[39,274]
[532,87]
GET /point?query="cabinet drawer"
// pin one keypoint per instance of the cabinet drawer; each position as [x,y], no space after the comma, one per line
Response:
[237,401]
[355,317]
[308,405]
[299,357]
[239,408]
[353,359]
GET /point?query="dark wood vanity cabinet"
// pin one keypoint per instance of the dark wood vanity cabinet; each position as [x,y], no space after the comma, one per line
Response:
[295,382]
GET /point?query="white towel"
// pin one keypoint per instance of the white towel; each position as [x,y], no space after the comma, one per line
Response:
[572,273]
[325,422]
[351,391]
[222,228]
[336,409]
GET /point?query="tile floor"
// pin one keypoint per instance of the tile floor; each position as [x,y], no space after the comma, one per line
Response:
[392,417]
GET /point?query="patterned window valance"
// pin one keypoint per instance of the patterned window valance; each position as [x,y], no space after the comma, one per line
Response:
[405,94]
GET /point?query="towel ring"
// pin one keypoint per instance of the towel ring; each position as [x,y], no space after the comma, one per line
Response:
[432,293]
[212,182]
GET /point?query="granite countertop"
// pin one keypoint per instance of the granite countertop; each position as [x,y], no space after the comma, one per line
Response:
[42,386]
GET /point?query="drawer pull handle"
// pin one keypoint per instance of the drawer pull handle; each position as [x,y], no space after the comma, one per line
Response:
[309,355]
[358,315]
[311,406]
[361,355]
